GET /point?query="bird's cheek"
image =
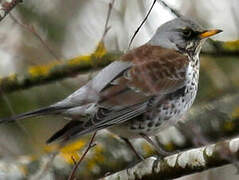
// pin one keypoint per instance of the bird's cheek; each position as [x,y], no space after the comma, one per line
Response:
[181,44]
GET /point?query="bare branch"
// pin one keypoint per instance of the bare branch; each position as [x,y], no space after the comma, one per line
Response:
[172,10]
[141,24]
[31,29]
[107,27]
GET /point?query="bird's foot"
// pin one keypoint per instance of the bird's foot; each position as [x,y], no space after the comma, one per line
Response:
[160,151]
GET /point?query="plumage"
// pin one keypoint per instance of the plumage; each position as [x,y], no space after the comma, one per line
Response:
[143,92]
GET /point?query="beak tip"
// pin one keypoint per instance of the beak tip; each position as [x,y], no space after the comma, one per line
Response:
[209,33]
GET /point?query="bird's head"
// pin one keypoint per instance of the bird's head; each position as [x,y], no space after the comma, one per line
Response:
[182,34]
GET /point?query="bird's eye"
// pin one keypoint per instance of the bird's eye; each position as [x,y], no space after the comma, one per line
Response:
[187,33]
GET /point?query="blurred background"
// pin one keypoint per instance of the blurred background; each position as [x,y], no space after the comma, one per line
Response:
[39,32]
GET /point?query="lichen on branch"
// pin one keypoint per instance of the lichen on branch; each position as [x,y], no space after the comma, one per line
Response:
[53,71]
[181,164]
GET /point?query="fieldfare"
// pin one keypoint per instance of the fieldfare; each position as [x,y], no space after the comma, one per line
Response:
[143,92]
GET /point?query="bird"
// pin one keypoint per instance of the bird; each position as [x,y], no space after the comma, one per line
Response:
[145,91]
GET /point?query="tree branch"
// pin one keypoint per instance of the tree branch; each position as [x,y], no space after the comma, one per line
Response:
[141,24]
[172,10]
[181,164]
[217,119]
[222,48]
[7,6]
[42,74]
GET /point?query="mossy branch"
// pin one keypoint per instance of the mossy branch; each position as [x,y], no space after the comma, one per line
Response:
[42,74]
[221,48]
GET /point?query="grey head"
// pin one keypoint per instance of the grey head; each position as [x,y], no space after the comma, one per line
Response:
[182,34]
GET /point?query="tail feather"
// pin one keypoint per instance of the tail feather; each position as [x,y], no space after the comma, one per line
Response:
[65,132]
[38,112]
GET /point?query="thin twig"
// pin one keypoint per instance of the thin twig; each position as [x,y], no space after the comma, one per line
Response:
[5,98]
[137,30]
[107,28]
[73,159]
[9,105]
[173,11]
[91,145]
[30,28]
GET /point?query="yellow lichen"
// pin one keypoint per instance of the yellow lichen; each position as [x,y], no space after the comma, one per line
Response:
[50,148]
[228,126]
[98,53]
[100,50]
[147,148]
[72,150]
[75,146]
[169,146]
[68,157]
[80,59]
[41,70]
[97,157]
[235,113]
[231,45]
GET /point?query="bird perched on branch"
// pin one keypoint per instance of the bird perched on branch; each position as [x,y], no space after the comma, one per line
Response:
[143,92]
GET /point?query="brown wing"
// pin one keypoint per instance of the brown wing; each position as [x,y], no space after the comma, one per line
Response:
[155,71]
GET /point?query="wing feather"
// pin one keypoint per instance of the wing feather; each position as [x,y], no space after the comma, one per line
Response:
[124,92]
[103,119]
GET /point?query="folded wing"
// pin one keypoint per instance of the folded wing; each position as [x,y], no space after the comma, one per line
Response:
[152,72]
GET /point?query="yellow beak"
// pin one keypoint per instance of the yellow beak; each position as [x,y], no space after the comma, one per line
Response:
[209,33]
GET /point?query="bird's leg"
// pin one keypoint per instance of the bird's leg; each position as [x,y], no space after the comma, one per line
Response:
[157,148]
[127,141]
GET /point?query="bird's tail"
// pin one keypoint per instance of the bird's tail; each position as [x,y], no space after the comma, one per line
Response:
[66,132]
[42,111]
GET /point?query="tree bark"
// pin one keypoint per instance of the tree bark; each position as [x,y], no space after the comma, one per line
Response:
[181,164]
